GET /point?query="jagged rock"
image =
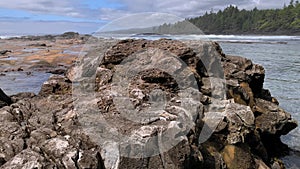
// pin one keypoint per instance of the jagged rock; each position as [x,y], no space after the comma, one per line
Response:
[25,159]
[3,52]
[11,140]
[184,118]
[21,96]
[240,122]
[273,120]
[238,156]
[244,70]
[69,159]
[103,76]
[56,84]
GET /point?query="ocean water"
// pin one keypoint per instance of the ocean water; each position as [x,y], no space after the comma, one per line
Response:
[282,65]
[16,82]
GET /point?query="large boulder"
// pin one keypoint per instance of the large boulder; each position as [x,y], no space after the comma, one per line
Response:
[147,104]
[240,125]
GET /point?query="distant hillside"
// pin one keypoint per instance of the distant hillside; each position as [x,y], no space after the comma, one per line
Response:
[232,20]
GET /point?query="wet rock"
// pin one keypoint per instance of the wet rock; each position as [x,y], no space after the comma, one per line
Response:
[42,65]
[4,99]
[56,84]
[20,69]
[3,52]
[38,45]
[57,71]
[273,119]
[238,156]
[260,164]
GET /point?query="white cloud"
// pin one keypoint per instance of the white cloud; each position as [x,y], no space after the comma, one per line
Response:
[76,9]
[187,8]
[256,1]
[141,20]
[38,27]
[64,8]
[190,8]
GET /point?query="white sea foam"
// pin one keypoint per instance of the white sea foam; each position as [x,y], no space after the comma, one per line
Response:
[8,36]
[247,37]
[229,38]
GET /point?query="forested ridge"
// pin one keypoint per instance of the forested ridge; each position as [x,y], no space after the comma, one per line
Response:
[232,20]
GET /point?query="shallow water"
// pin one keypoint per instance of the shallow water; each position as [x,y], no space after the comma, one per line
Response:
[282,65]
[16,82]
[8,58]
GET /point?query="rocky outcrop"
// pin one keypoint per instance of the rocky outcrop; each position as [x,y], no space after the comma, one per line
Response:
[56,84]
[66,35]
[148,104]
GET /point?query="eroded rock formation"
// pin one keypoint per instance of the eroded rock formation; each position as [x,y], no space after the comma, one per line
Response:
[176,91]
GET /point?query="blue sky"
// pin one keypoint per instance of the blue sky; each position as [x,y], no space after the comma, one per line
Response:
[86,16]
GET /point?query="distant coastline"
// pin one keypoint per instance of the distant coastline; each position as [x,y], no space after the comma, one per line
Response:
[233,21]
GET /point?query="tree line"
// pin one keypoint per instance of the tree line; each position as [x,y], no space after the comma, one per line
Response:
[232,20]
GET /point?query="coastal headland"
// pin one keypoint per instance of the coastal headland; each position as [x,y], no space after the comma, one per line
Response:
[193,106]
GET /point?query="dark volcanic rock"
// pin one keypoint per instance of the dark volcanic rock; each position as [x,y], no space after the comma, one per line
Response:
[147,104]
[38,44]
[4,99]
[3,52]
[57,71]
